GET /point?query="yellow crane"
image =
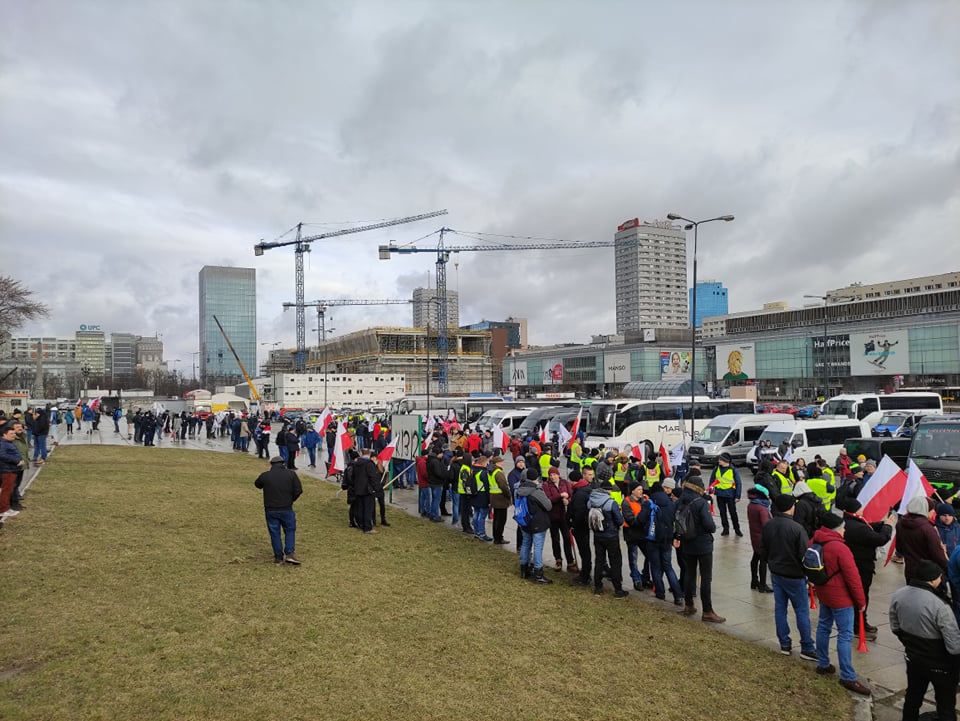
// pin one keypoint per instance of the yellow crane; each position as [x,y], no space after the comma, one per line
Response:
[253,388]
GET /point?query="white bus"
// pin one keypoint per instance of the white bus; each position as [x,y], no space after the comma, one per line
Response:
[467,408]
[870,407]
[619,423]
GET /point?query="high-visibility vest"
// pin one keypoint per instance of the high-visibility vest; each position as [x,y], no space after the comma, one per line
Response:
[465,473]
[653,474]
[576,457]
[819,488]
[481,479]
[827,472]
[615,493]
[635,507]
[589,462]
[493,482]
[724,478]
[620,472]
[786,484]
[545,462]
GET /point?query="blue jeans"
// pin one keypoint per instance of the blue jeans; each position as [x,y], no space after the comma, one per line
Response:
[793,591]
[534,541]
[435,493]
[480,522]
[844,620]
[287,520]
[633,552]
[313,455]
[40,447]
[455,507]
[282,450]
[423,501]
[661,562]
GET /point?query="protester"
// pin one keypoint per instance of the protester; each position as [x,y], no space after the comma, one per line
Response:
[535,531]
[281,488]
[863,539]
[726,485]
[758,515]
[697,551]
[917,538]
[559,491]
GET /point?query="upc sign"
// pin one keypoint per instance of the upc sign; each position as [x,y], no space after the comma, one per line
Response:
[89,327]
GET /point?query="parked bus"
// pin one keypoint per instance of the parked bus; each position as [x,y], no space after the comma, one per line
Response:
[870,407]
[620,422]
[467,408]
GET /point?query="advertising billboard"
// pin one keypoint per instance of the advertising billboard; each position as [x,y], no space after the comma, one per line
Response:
[616,368]
[518,373]
[552,372]
[881,353]
[736,362]
[675,365]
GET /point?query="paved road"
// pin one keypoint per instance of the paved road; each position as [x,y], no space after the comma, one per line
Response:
[749,614]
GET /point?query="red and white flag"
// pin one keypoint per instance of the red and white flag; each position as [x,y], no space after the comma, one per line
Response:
[341,445]
[543,434]
[387,453]
[882,491]
[575,428]
[917,486]
[664,460]
[323,420]
[94,404]
[376,430]
[500,439]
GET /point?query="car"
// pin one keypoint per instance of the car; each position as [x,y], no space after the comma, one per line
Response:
[897,424]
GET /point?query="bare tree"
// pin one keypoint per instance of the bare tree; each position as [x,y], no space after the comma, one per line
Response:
[17,305]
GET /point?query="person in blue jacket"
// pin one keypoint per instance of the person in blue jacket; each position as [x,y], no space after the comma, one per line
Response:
[311,440]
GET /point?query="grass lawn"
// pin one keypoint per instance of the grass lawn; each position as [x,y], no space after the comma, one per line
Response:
[140,584]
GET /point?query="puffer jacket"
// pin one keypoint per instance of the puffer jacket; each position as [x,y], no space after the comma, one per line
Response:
[553,492]
[539,506]
[703,519]
[758,515]
[844,588]
[612,517]
[923,621]
[863,539]
[917,539]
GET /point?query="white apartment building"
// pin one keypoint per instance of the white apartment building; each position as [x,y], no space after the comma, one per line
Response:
[343,390]
[651,276]
[910,286]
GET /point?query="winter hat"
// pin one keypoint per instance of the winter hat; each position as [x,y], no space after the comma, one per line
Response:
[533,474]
[783,503]
[575,476]
[831,520]
[553,469]
[849,505]
[918,505]
[800,489]
[669,484]
[759,491]
[276,459]
[694,472]
[693,481]
[633,485]
[726,457]
[928,571]
[945,509]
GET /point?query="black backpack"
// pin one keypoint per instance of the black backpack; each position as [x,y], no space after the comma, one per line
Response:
[347,480]
[684,522]
[813,566]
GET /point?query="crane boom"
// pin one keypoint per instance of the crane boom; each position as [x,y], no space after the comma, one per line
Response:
[302,245]
[246,376]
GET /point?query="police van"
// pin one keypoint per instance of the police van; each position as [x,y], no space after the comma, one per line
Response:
[823,436]
[733,433]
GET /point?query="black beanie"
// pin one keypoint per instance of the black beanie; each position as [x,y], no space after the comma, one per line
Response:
[928,571]
[783,503]
[533,474]
[831,521]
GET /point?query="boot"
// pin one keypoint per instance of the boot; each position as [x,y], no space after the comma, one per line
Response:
[764,588]
[525,570]
[538,577]
[573,568]
[712,617]
[689,610]
[754,584]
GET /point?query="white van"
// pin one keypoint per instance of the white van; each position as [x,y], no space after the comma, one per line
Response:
[508,419]
[733,433]
[824,436]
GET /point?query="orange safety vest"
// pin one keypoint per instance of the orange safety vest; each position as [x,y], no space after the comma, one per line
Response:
[635,507]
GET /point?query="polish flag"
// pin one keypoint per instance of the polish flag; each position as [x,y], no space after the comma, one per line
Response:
[500,439]
[323,420]
[543,434]
[575,429]
[882,491]
[94,404]
[917,486]
[665,460]
[387,453]
[376,430]
[341,445]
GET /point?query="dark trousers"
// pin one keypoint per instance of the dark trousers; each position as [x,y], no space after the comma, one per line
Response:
[499,523]
[758,568]
[866,580]
[383,508]
[466,513]
[582,538]
[705,565]
[365,507]
[443,500]
[291,458]
[944,684]
[609,559]
[560,531]
[728,505]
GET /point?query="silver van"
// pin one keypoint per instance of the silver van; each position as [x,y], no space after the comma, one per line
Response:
[733,433]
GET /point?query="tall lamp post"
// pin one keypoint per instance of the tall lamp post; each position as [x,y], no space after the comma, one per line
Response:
[695,224]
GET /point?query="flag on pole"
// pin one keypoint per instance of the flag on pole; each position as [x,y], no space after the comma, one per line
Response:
[500,439]
[428,432]
[563,435]
[789,456]
[676,455]
[916,486]
[575,428]
[338,462]
[882,491]
[543,434]
[665,460]
[323,420]
[94,404]
[376,430]
[387,453]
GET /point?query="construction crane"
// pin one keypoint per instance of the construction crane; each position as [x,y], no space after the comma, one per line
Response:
[246,376]
[443,252]
[302,245]
[321,306]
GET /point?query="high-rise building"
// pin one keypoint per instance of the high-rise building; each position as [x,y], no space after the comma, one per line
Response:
[149,352]
[651,276]
[425,301]
[711,300]
[122,356]
[231,295]
[91,351]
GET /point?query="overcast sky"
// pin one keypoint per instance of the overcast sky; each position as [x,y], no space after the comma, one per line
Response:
[143,140]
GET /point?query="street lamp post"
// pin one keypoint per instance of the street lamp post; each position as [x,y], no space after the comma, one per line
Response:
[323,331]
[695,224]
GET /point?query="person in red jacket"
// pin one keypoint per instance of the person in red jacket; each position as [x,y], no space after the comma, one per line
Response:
[841,597]
[560,491]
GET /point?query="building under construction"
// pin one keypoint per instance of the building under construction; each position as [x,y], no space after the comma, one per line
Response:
[411,352]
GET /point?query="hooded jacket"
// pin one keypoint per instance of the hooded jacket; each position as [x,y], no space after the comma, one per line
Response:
[703,520]
[808,509]
[553,493]
[758,515]
[612,517]
[949,534]
[577,508]
[863,539]
[923,621]
[539,506]
[917,539]
[784,541]
[844,588]
[666,512]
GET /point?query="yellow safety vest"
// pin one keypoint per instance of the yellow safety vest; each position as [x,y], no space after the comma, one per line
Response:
[576,457]
[545,462]
[819,488]
[616,494]
[620,472]
[786,484]
[653,474]
[478,479]
[494,484]
[464,474]
[828,473]
[589,462]
[725,479]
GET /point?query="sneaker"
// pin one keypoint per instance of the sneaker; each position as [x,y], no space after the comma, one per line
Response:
[725,533]
[786,651]
[856,687]
[621,593]
[598,590]
[384,524]
[637,586]
[278,559]
[826,670]
[486,539]
[11,513]
[292,559]
[739,533]
[578,581]
[370,532]
[809,655]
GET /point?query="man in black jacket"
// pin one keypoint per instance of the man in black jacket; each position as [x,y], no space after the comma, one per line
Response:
[863,539]
[436,476]
[366,480]
[784,542]
[281,488]
[579,526]
[697,551]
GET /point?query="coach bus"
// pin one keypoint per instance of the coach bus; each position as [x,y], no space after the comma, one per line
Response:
[870,407]
[621,422]
[467,408]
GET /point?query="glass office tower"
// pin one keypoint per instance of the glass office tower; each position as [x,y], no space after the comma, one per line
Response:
[231,295]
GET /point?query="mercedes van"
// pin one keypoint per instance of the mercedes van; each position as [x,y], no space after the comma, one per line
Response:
[823,436]
[733,433]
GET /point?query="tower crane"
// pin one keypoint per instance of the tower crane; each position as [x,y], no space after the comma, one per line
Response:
[443,252]
[302,245]
[321,306]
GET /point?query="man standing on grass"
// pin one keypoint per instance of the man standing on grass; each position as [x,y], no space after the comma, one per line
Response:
[281,488]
